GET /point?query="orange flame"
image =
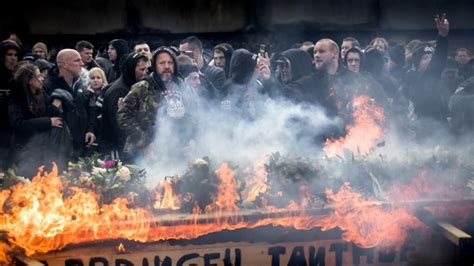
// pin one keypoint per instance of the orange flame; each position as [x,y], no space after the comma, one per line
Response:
[258,182]
[4,251]
[366,223]
[227,197]
[169,200]
[121,248]
[40,219]
[364,133]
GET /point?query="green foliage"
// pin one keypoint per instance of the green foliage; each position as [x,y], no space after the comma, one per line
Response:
[109,179]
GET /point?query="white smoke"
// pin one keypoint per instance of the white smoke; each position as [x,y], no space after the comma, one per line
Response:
[278,126]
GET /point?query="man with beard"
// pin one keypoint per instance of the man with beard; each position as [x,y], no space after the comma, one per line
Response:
[315,89]
[345,84]
[133,70]
[158,94]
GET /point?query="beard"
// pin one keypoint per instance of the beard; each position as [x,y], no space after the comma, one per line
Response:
[321,65]
[166,76]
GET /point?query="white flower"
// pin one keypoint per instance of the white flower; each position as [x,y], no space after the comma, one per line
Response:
[23,179]
[200,162]
[98,170]
[123,173]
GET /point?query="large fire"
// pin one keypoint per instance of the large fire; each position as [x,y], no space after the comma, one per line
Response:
[39,217]
[47,214]
[365,132]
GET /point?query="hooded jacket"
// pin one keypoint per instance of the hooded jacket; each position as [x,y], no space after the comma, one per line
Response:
[241,90]
[228,51]
[122,48]
[6,76]
[373,67]
[112,135]
[300,63]
[242,67]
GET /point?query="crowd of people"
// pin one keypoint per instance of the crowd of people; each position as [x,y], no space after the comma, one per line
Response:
[63,108]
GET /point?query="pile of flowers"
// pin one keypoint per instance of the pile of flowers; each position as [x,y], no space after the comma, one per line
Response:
[109,179]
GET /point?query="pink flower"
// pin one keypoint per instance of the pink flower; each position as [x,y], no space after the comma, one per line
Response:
[108,164]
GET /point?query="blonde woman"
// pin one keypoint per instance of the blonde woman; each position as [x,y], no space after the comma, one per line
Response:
[96,86]
[97,81]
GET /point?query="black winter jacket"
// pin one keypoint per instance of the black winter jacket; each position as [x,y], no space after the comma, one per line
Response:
[24,123]
[215,75]
[81,117]
[113,137]
[462,107]
[423,88]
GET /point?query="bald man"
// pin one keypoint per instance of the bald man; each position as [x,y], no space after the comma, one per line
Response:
[344,85]
[69,64]
[315,89]
[71,99]
[326,56]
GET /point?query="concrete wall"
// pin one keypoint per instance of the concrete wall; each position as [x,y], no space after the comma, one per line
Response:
[243,23]
[174,16]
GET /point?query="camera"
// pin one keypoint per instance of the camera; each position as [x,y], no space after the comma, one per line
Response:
[263,49]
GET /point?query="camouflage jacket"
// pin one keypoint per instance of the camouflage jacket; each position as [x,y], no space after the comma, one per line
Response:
[137,117]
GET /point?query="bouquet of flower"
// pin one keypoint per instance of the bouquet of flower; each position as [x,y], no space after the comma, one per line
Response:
[109,179]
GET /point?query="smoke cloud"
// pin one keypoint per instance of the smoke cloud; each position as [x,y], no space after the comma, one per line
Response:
[278,126]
